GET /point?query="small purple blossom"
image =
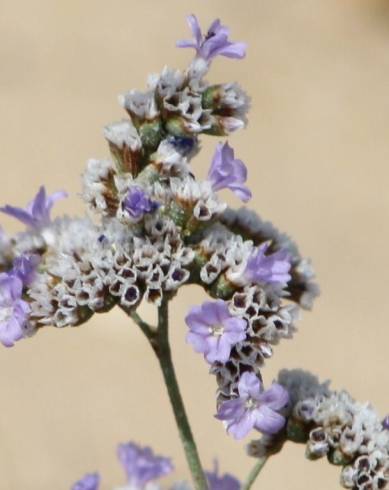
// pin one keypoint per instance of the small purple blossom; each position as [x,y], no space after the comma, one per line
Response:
[385,423]
[88,482]
[254,408]
[221,482]
[214,331]
[24,267]
[37,213]
[142,465]
[214,43]
[270,269]
[227,172]
[137,203]
[13,310]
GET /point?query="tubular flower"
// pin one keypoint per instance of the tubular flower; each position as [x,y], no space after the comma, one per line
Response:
[214,43]
[213,330]
[254,408]
[37,213]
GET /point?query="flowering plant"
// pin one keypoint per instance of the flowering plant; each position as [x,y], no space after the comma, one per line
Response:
[160,228]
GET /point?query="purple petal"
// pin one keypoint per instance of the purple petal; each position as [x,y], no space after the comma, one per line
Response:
[198,342]
[233,50]
[57,196]
[268,421]
[231,409]
[219,349]
[276,397]
[20,214]
[240,428]
[241,192]
[249,385]
[196,318]
[88,482]
[38,205]
[195,28]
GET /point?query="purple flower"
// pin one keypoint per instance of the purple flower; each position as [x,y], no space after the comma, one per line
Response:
[24,267]
[141,465]
[227,172]
[137,203]
[37,213]
[89,482]
[214,331]
[255,408]
[221,482]
[270,269]
[13,310]
[385,423]
[214,43]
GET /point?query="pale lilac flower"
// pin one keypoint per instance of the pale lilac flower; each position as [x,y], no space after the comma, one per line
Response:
[37,213]
[89,482]
[214,43]
[13,310]
[137,203]
[254,408]
[24,267]
[269,269]
[221,482]
[227,172]
[385,423]
[214,331]
[142,465]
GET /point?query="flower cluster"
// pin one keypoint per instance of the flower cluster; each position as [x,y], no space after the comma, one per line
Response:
[144,469]
[159,228]
[333,424]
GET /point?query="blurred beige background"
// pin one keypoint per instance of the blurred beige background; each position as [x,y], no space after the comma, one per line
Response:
[317,148]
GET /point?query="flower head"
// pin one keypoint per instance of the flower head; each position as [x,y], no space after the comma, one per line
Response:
[13,310]
[137,203]
[254,408]
[221,482]
[214,43]
[270,269]
[142,465]
[37,213]
[88,482]
[227,172]
[24,267]
[214,331]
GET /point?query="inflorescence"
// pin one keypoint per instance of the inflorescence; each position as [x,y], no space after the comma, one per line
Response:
[161,228]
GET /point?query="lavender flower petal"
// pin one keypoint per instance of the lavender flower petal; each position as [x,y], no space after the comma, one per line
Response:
[88,482]
[137,203]
[213,331]
[13,310]
[214,43]
[37,213]
[227,172]
[269,269]
[268,421]
[221,482]
[141,465]
[24,267]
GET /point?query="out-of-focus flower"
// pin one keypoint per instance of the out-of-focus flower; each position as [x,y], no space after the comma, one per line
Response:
[137,203]
[213,330]
[221,482]
[385,423]
[142,465]
[13,309]
[37,213]
[268,269]
[88,482]
[214,43]
[24,267]
[254,408]
[227,172]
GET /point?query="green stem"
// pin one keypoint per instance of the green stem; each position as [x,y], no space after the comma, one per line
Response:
[254,473]
[165,359]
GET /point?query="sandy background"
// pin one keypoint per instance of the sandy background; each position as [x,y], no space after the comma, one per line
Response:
[317,148]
